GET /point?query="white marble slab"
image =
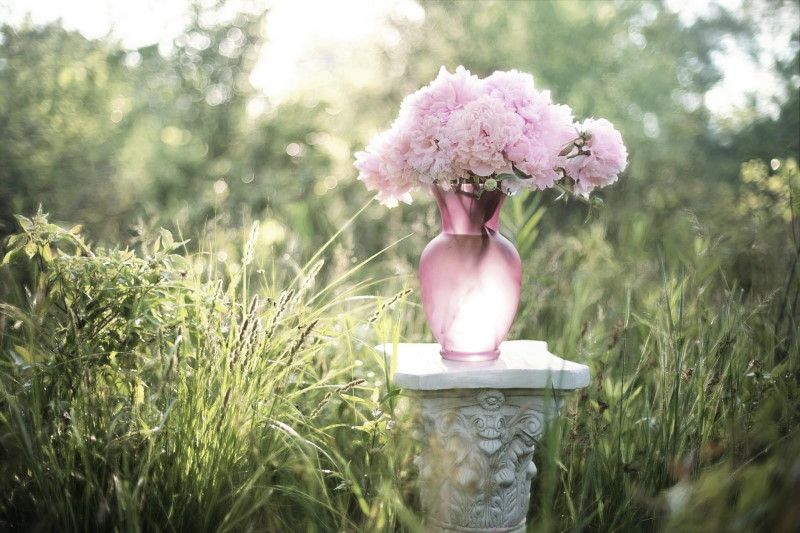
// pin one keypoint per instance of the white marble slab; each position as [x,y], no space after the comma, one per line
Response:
[523,364]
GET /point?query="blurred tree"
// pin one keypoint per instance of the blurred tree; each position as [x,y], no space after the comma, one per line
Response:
[768,137]
[192,126]
[637,63]
[57,124]
[97,134]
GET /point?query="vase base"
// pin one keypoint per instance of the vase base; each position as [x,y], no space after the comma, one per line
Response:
[453,355]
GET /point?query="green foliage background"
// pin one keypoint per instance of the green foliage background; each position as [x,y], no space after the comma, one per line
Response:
[117,355]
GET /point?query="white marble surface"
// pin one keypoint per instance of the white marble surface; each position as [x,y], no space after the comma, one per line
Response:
[523,364]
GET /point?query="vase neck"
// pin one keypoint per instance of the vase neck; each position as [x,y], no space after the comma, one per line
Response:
[464,214]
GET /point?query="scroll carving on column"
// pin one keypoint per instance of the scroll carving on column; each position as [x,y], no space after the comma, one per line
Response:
[476,459]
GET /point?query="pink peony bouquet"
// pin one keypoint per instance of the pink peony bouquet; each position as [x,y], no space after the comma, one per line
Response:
[496,132]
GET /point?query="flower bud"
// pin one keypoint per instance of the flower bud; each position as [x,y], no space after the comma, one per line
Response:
[490,184]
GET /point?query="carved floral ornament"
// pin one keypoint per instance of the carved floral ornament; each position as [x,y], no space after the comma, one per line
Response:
[476,461]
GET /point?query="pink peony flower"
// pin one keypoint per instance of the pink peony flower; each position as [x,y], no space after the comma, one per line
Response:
[606,159]
[514,88]
[424,114]
[447,93]
[462,128]
[384,168]
[547,128]
[480,133]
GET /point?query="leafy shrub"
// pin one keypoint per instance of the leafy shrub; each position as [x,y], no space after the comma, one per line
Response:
[139,394]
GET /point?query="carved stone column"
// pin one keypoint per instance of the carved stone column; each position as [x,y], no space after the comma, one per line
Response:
[477,424]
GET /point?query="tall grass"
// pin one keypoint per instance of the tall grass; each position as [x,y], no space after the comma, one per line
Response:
[691,420]
[158,390]
[149,393]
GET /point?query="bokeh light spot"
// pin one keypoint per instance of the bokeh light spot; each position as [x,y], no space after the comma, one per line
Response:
[220,187]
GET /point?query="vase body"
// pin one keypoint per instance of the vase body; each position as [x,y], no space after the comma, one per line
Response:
[470,276]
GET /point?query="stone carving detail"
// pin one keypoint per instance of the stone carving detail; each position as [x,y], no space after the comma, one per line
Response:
[475,464]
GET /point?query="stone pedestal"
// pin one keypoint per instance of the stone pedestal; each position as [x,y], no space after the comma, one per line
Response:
[477,424]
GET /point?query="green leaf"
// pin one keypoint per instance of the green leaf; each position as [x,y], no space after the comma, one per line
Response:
[567,149]
[24,353]
[505,176]
[166,239]
[30,249]
[389,395]
[138,395]
[355,399]
[15,244]
[46,252]
[520,173]
[14,238]
[52,228]
[25,223]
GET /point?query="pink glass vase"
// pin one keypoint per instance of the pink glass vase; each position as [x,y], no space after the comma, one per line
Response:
[470,276]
